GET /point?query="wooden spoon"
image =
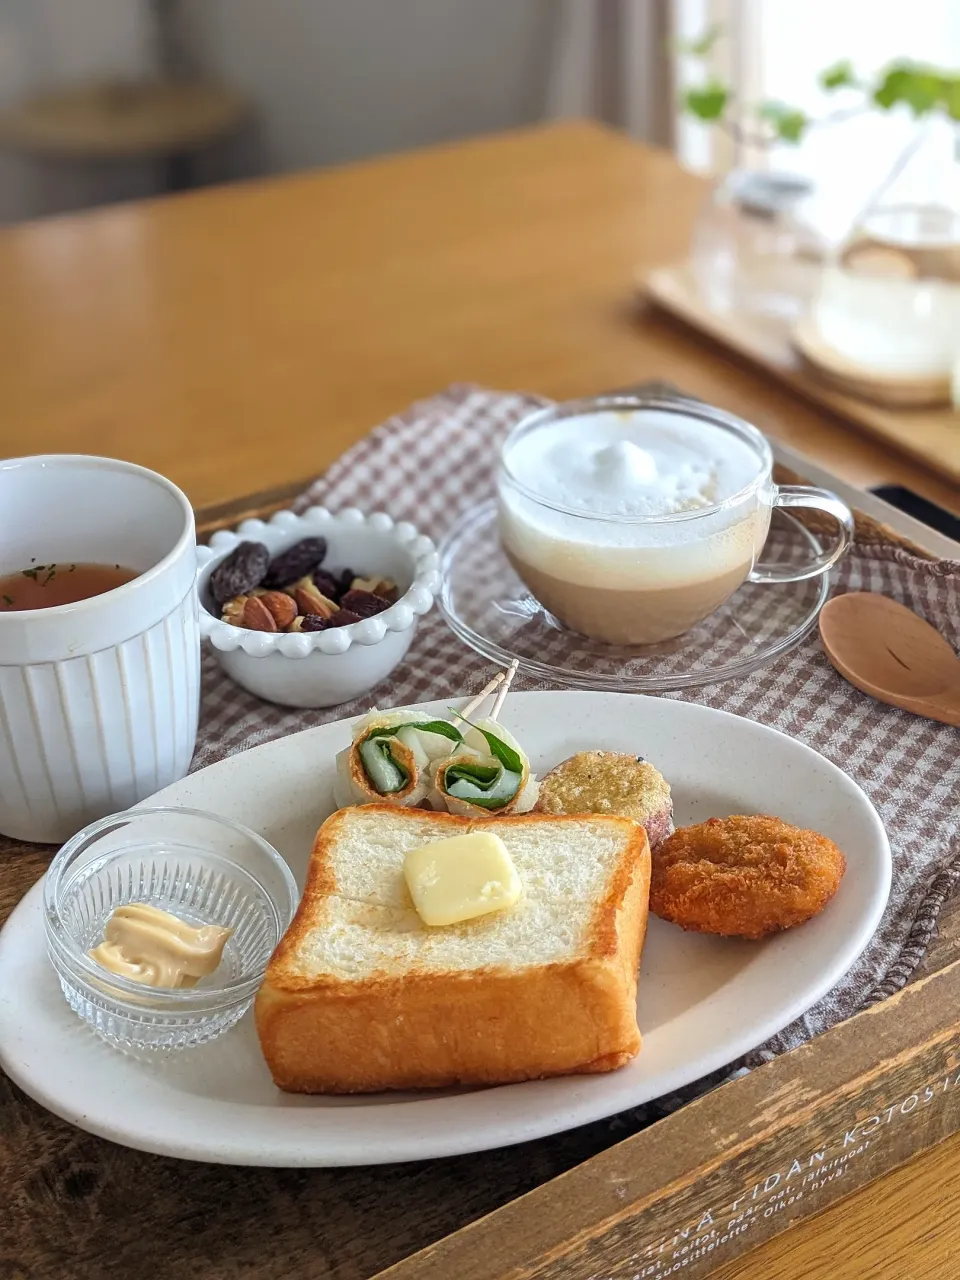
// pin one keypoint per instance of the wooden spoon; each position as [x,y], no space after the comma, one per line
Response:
[891,653]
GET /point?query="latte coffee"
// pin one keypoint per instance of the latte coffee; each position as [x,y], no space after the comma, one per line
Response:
[633,521]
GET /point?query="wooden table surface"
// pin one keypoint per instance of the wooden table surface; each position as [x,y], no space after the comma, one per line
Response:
[240,338]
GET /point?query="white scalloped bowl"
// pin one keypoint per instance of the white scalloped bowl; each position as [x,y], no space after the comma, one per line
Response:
[324,668]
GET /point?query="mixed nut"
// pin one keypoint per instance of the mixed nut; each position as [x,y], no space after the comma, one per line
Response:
[292,592]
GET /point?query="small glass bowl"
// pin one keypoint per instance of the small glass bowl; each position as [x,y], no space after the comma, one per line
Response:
[202,868]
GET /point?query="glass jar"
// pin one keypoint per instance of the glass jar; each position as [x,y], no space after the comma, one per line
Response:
[887,310]
[753,249]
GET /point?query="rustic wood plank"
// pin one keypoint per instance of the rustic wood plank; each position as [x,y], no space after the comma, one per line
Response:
[737,1166]
[225,515]
[944,949]
[902,1227]
[75,1206]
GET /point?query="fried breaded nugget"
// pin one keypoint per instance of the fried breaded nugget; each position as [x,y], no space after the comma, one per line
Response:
[609,782]
[744,877]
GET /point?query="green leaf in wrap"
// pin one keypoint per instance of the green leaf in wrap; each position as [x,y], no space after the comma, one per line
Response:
[385,772]
[509,758]
[486,785]
[443,727]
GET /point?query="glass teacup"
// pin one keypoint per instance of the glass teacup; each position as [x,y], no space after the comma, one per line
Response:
[607,570]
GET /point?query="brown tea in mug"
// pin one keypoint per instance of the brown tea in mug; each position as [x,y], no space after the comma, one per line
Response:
[42,586]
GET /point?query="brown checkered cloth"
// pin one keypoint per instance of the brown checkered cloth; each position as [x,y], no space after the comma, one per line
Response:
[430,463]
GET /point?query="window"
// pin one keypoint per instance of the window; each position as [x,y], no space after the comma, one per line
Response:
[775,49]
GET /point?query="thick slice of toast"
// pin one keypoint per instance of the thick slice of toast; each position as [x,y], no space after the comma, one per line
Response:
[360,995]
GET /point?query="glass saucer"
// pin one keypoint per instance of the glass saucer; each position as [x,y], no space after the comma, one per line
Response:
[487,606]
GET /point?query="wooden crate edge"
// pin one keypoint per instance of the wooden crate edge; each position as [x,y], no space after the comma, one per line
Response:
[741,1164]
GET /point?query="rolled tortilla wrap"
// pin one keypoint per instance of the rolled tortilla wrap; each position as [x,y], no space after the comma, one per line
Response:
[388,760]
[481,781]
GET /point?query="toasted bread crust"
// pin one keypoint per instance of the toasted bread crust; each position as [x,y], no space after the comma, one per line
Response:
[484,1027]
[322,1034]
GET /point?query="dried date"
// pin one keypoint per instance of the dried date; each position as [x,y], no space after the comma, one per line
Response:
[315,622]
[242,570]
[310,622]
[365,603]
[327,584]
[385,588]
[296,562]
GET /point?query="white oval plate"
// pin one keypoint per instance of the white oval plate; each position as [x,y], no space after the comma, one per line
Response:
[702,1001]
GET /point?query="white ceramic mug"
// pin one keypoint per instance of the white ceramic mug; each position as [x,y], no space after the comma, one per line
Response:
[98,699]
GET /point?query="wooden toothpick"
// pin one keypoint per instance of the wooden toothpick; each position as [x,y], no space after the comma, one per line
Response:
[484,693]
[504,688]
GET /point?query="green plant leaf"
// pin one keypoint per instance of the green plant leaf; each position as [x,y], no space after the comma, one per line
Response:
[950,95]
[509,758]
[922,92]
[792,126]
[918,87]
[701,45]
[890,89]
[443,727]
[707,102]
[789,123]
[839,76]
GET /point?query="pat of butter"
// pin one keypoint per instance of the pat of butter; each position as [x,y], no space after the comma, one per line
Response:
[461,878]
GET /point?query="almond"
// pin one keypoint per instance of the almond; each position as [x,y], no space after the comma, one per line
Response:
[257,617]
[311,600]
[282,607]
[249,612]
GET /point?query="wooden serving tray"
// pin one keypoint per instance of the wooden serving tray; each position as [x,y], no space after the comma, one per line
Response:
[608,1201]
[932,436]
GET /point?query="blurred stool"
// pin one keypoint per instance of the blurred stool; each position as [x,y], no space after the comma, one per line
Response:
[168,122]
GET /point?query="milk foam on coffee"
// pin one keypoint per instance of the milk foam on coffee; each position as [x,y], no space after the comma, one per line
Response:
[627,465]
[638,464]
